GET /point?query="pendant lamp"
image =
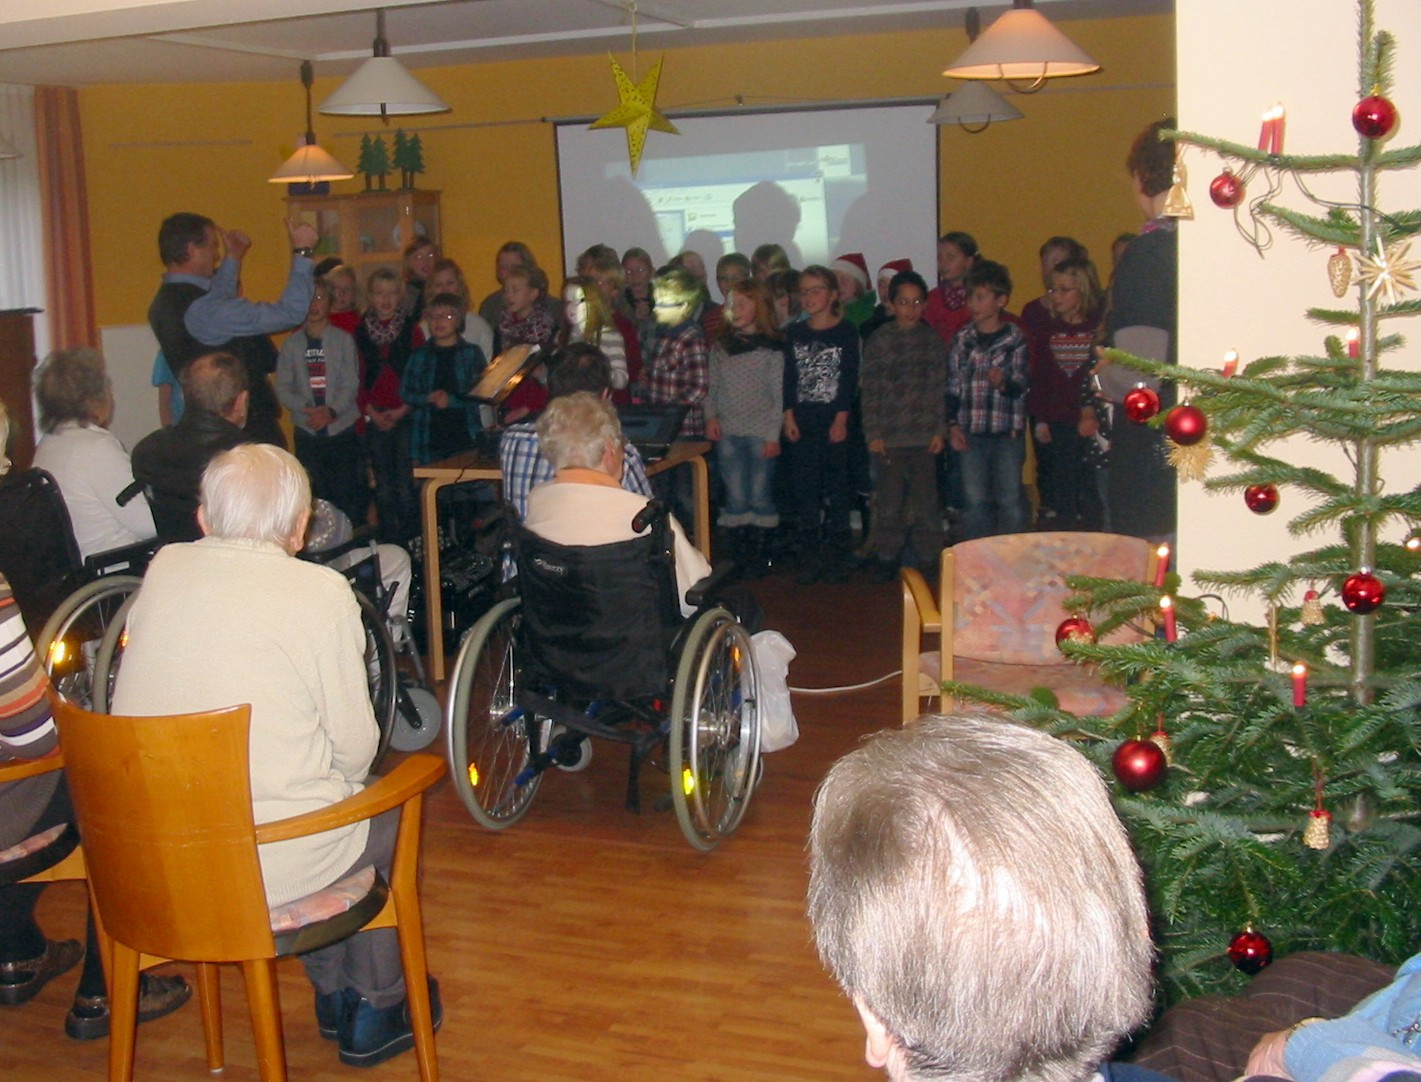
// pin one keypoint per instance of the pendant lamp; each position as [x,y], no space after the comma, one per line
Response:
[1022,45]
[382,87]
[974,106]
[310,164]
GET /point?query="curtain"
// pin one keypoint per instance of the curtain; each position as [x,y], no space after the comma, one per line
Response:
[69,276]
[22,283]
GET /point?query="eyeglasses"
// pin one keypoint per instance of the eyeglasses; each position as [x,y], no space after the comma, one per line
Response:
[442,315]
[1063,289]
[813,291]
[909,302]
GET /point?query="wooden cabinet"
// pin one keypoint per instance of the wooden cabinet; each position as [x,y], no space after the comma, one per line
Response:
[369,229]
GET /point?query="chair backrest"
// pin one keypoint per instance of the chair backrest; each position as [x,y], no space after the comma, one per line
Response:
[1007,591]
[165,811]
[38,553]
[598,619]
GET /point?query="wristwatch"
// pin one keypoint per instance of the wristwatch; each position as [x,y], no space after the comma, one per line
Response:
[307,252]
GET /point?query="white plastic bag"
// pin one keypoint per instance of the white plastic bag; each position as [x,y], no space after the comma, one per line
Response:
[773,653]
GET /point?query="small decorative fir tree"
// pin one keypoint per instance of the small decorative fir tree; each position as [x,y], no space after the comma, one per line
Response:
[1302,820]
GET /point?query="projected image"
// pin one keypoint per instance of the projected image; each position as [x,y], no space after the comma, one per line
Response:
[796,198]
[818,183]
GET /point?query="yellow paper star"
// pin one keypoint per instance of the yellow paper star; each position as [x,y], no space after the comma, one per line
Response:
[637,111]
[1388,270]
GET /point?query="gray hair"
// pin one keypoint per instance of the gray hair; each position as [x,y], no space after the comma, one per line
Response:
[256,492]
[575,429]
[972,886]
[72,385]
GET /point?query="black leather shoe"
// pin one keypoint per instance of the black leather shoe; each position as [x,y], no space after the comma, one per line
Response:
[21,981]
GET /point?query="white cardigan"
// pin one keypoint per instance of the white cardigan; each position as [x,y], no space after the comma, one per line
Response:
[220,622]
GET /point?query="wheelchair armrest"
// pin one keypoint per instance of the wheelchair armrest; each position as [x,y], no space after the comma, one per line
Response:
[359,539]
[411,778]
[706,589]
[130,559]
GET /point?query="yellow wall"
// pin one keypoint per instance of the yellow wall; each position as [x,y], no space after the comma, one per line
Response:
[155,149]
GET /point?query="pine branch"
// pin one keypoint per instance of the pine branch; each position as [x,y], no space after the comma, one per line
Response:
[1332,230]
[1293,163]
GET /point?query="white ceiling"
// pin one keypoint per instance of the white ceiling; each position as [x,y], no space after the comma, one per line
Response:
[87,42]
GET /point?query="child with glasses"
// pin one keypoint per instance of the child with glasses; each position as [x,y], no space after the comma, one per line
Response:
[437,382]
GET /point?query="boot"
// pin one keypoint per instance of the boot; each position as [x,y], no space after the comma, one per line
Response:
[839,560]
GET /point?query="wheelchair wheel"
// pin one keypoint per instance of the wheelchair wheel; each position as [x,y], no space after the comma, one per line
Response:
[715,729]
[110,655]
[69,644]
[380,670]
[489,738]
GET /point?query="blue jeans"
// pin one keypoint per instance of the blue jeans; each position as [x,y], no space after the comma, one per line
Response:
[991,475]
[748,477]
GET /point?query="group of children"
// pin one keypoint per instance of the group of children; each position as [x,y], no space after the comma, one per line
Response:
[852,389]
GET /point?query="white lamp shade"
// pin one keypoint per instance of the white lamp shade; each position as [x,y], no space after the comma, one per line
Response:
[310,165]
[381,86]
[1023,45]
[974,103]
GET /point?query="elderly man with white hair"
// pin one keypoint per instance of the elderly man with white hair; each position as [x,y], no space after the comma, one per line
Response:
[973,892]
[234,618]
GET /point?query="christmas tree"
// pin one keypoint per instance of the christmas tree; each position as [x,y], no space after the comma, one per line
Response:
[1288,814]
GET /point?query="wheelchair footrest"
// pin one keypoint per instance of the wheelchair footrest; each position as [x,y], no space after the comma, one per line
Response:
[643,741]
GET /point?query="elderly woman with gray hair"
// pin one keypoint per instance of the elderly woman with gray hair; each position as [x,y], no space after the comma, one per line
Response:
[84,457]
[290,643]
[584,503]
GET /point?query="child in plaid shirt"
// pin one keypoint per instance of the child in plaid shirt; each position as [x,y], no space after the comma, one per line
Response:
[988,377]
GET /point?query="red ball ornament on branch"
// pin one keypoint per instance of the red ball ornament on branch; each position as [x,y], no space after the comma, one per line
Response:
[1141,404]
[1186,425]
[1261,499]
[1374,117]
[1363,592]
[1139,765]
[1074,629]
[1226,190]
[1250,950]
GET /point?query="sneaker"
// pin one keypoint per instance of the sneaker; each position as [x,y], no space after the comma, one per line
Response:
[21,981]
[330,1010]
[370,1035]
[88,1019]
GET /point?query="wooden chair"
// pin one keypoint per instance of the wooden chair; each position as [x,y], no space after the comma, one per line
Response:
[1001,604]
[49,856]
[165,809]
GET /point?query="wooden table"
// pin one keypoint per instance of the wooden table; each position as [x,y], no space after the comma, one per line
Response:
[473,466]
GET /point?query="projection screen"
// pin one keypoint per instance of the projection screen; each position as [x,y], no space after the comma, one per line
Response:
[820,182]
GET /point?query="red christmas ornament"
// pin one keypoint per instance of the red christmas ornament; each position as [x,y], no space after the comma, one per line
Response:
[1139,765]
[1075,629]
[1374,117]
[1141,404]
[1363,592]
[1186,425]
[1250,950]
[1261,499]
[1226,190]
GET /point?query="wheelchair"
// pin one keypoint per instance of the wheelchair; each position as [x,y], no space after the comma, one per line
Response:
[81,643]
[595,646]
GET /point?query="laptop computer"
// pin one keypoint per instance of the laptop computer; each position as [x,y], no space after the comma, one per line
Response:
[651,428]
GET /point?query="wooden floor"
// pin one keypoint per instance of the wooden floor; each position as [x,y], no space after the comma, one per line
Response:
[586,943]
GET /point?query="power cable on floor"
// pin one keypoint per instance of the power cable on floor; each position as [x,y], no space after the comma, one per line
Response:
[848,687]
